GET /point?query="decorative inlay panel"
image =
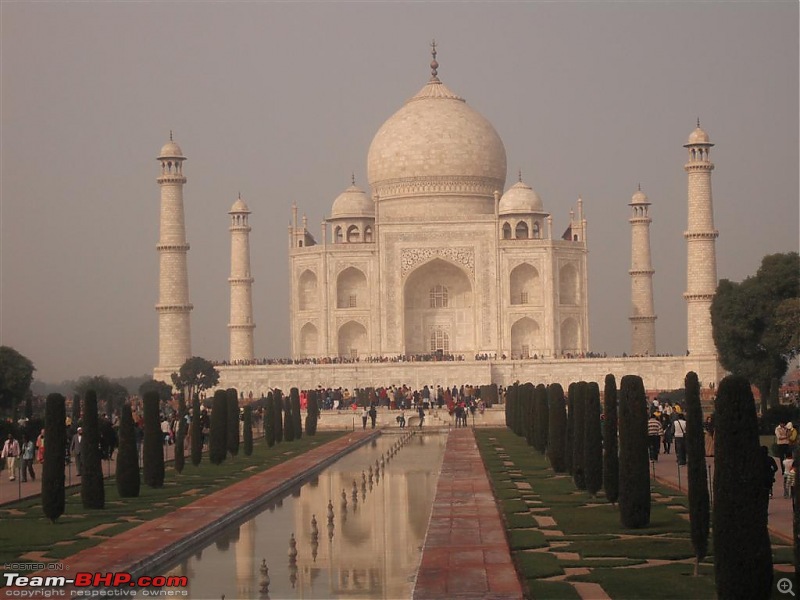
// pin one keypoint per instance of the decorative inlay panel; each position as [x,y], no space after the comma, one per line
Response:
[411,257]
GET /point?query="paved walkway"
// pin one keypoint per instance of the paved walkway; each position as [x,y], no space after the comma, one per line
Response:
[139,549]
[780,508]
[466,554]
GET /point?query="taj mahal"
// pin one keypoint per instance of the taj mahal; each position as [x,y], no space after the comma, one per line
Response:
[438,273]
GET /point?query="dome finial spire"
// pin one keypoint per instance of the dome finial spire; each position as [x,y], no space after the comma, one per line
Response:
[640,186]
[353,177]
[434,64]
[520,175]
[698,121]
[170,135]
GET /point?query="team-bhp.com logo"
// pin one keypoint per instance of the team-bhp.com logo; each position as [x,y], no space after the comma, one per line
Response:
[93,584]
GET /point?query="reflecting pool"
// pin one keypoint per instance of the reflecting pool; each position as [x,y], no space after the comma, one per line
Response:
[380,498]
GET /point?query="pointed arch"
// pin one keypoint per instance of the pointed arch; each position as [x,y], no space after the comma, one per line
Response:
[570,336]
[307,296]
[506,231]
[525,285]
[568,285]
[521,231]
[353,341]
[353,234]
[351,289]
[525,338]
[309,341]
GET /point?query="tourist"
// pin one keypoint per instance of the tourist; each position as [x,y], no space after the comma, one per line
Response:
[788,464]
[10,454]
[75,449]
[373,415]
[679,434]
[401,418]
[421,415]
[364,417]
[783,438]
[669,430]
[654,433]
[40,448]
[28,450]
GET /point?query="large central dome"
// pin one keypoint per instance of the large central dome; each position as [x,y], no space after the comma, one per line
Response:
[436,144]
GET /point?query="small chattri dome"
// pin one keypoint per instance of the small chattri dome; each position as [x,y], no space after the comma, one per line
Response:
[520,198]
[698,136]
[239,206]
[352,202]
[639,197]
[171,150]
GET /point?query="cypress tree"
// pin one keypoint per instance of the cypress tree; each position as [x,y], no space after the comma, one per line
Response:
[153,442]
[507,406]
[529,417]
[312,413]
[593,441]
[570,427]
[92,492]
[557,427]
[269,420]
[247,433]
[232,437]
[277,404]
[128,478]
[218,444]
[742,554]
[699,508]
[197,432]
[180,435]
[539,417]
[55,436]
[634,463]
[579,436]
[288,419]
[297,417]
[610,442]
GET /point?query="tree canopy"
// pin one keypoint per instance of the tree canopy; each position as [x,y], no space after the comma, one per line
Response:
[195,375]
[113,393]
[163,389]
[755,321]
[16,375]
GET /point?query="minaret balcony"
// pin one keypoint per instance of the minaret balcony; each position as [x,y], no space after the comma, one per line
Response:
[701,235]
[698,297]
[171,178]
[173,308]
[172,247]
[641,272]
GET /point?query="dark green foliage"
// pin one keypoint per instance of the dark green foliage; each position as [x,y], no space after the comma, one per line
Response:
[232,421]
[128,478]
[742,555]
[557,429]
[610,441]
[195,375]
[578,435]
[593,441]
[570,427]
[197,432]
[164,389]
[297,418]
[93,494]
[540,418]
[247,432]
[277,414]
[55,436]
[112,393]
[180,434]
[489,394]
[312,413]
[699,515]
[634,463]
[528,412]
[507,408]
[153,452]
[16,376]
[218,443]
[76,410]
[288,419]
[269,420]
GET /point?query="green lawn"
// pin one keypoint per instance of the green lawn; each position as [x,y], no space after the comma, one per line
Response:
[617,558]
[25,529]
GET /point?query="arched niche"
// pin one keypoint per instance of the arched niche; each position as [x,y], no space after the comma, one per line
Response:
[353,340]
[506,231]
[353,234]
[521,231]
[351,289]
[309,341]
[307,296]
[525,285]
[568,286]
[525,338]
[570,336]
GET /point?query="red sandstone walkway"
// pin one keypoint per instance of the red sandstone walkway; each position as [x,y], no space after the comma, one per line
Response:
[465,554]
[141,548]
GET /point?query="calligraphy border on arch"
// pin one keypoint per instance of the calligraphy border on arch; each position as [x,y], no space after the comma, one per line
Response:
[461,255]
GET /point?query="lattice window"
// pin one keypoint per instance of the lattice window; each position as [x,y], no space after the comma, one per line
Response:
[440,341]
[352,301]
[438,296]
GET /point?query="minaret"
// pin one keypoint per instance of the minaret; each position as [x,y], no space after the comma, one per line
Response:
[701,270]
[643,318]
[241,324]
[174,330]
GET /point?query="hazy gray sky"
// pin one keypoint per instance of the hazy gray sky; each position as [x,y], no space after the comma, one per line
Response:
[280,101]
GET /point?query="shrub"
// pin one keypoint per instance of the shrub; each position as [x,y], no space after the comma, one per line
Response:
[540,418]
[180,434]
[610,441]
[528,416]
[699,508]
[578,435]
[634,464]
[248,430]
[218,444]
[557,429]
[153,452]
[742,554]
[197,432]
[593,441]
[570,428]
[55,436]
[232,420]
[128,478]
[92,492]
[277,405]
[269,420]
[312,413]
[288,419]
[297,418]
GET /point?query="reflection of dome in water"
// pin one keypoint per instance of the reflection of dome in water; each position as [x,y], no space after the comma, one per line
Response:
[356,531]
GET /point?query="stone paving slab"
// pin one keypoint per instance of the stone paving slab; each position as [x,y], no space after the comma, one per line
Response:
[461,562]
[155,541]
